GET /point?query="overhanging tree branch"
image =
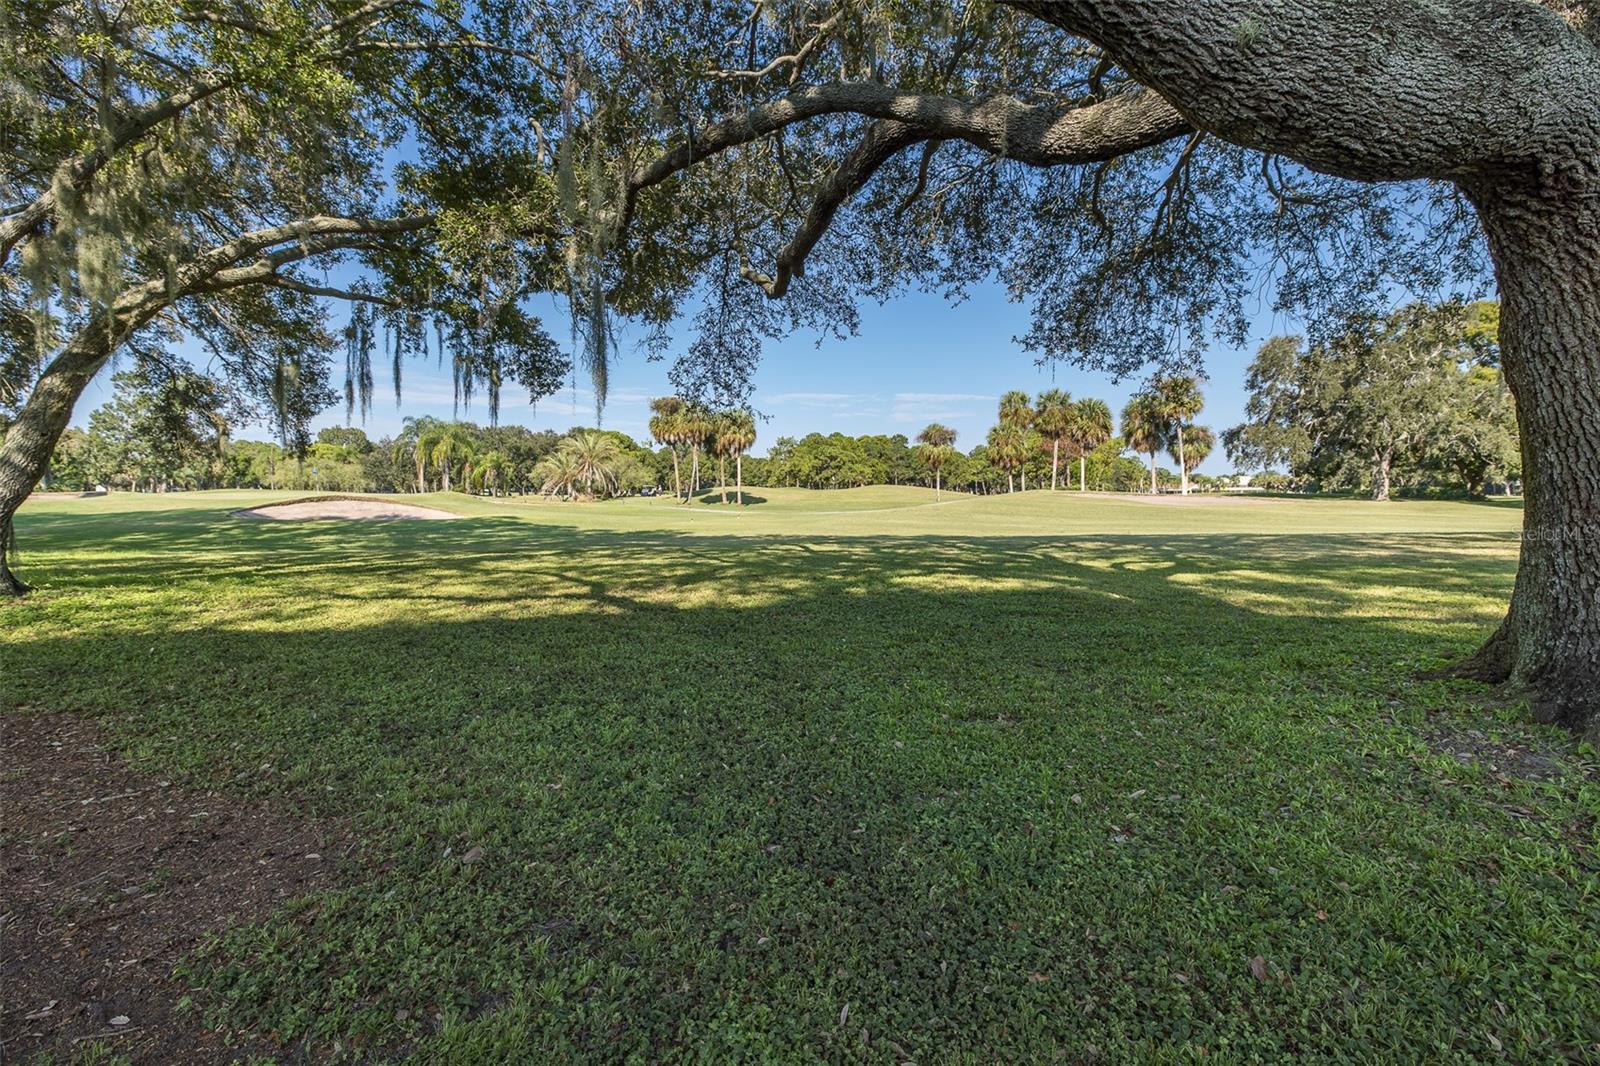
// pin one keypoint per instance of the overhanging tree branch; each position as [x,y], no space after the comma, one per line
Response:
[1036,134]
[883,140]
[1279,80]
[250,258]
[76,172]
[796,60]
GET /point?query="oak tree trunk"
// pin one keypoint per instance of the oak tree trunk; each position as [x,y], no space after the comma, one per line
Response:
[10,583]
[1546,248]
[1503,99]
[29,442]
[1380,474]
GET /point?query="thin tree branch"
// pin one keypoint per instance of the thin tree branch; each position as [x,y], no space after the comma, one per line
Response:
[1171,194]
[77,171]
[797,60]
[921,186]
[883,140]
[283,281]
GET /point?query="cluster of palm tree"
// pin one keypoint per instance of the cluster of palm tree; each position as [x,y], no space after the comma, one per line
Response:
[1160,416]
[681,425]
[444,454]
[586,465]
[1054,422]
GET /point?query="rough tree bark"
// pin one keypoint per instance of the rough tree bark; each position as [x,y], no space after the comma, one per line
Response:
[1545,240]
[1501,97]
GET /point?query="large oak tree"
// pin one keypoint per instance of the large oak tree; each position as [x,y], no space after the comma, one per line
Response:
[1134,168]
[1131,166]
[220,170]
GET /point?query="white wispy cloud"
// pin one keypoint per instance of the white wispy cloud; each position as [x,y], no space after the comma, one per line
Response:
[936,406]
[815,399]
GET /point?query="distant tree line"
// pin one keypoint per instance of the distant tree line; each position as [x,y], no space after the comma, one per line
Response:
[165,431]
[1408,401]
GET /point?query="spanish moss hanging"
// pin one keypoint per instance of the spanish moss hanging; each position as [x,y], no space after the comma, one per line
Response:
[359,345]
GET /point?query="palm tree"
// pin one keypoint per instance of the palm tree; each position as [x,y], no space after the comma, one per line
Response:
[1015,412]
[1008,444]
[409,446]
[697,425]
[443,445]
[1053,417]
[735,435]
[557,472]
[1197,443]
[596,456]
[405,450]
[1090,426]
[935,446]
[666,426]
[716,444]
[1144,427]
[1179,400]
[488,470]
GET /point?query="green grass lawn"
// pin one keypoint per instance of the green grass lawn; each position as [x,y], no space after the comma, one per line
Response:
[853,776]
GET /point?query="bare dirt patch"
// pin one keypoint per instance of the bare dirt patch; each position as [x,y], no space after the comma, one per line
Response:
[349,507]
[1505,754]
[110,877]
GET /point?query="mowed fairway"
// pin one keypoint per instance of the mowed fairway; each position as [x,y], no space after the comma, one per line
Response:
[850,776]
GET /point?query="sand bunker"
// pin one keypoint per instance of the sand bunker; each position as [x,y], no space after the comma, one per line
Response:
[345,507]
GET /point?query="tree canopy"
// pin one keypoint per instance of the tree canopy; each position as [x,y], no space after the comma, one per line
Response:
[1137,172]
[1407,395]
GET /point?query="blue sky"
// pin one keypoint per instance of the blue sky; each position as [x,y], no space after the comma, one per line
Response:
[915,360]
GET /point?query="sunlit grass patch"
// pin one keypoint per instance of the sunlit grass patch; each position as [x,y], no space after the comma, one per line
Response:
[1031,778]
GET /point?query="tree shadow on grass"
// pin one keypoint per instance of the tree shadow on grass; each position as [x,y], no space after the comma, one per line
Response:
[713,498]
[1022,796]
